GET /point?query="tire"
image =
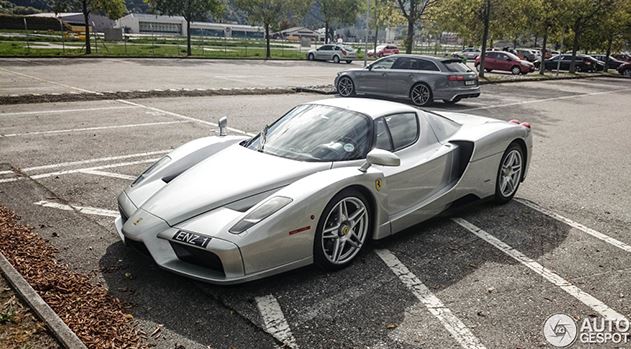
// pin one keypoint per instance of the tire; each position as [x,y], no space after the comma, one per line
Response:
[578,69]
[421,95]
[515,70]
[454,101]
[339,238]
[336,59]
[509,173]
[477,67]
[627,72]
[488,70]
[348,61]
[311,57]
[345,87]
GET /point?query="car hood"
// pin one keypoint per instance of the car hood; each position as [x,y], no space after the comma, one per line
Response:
[229,175]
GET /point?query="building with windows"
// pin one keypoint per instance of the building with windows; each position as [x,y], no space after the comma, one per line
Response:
[142,23]
[76,21]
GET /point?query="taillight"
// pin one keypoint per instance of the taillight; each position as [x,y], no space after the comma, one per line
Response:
[455,77]
[517,122]
[525,124]
[514,121]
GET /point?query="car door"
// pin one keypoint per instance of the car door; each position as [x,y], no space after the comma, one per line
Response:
[490,60]
[503,62]
[424,171]
[374,80]
[406,71]
[323,53]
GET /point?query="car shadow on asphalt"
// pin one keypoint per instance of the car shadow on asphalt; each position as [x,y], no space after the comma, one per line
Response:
[439,252]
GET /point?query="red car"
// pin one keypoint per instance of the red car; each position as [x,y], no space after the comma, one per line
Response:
[505,61]
[384,50]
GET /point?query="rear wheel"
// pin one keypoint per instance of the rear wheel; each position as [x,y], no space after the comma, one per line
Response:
[515,70]
[342,230]
[627,72]
[345,87]
[509,173]
[578,68]
[348,61]
[336,59]
[421,95]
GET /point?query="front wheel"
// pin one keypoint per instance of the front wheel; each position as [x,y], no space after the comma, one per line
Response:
[336,59]
[345,87]
[311,57]
[342,230]
[421,95]
[509,173]
[515,70]
[348,61]
[627,73]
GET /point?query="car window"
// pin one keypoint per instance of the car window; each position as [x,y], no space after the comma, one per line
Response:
[567,58]
[491,55]
[385,63]
[403,129]
[425,65]
[337,48]
[326,48]
[456,66]
[382,135]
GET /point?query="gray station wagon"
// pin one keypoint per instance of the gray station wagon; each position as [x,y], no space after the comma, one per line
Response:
[332,52]
[422,79]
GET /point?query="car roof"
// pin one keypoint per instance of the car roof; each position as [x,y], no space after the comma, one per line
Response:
[430,58]
[373,108]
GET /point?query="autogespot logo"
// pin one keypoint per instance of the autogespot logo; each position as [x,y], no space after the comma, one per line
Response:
[560,330]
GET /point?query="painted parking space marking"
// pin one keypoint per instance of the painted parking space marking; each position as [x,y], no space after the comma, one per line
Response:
[598,235]
[544,272]
[89,161]
[97,128]
[451,322]
[82,209]
[78,170]
[183,116]
[63,111]
[109,174]
[274,321]
[48,81]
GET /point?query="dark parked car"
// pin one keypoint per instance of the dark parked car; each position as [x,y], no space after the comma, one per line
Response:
[613,63]
[505,61]
[583,63]
[625,69]
[421,79]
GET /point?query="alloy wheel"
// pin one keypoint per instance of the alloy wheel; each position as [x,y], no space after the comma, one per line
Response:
[420,94]
[510,173]
[345,230]
[345,87]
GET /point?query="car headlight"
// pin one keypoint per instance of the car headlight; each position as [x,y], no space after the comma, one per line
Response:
[265,210]
[525,64]
[151,169]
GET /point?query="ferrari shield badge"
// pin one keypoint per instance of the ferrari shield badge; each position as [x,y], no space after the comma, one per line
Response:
[378,184]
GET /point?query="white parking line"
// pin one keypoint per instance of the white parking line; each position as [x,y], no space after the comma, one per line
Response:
[274,320]
[48,81]
[34,133]
[451,322]
[598,235]
[58,173]
[549,99]
[183,116]
[89,161]
[61,111]
[109,174]
[82,209]
[546,273]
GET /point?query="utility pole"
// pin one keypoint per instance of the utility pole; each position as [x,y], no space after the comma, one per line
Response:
[367,28]
[485,35]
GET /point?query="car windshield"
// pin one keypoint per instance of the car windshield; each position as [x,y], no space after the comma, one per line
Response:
[456,66]
[314,132]
[512,56]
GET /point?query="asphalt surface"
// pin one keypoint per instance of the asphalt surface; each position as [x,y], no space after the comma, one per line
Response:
[580,170]
[51,75]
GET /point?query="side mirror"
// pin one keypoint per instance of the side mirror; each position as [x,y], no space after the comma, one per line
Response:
[223,124]
[380,157]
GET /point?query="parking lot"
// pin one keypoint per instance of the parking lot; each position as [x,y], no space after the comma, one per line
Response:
[482,276]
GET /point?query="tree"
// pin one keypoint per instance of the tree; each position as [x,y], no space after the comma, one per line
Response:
[189,9]
[384,13]
[611,32]
[271,13]
[413,10]
[113,9]
[335,13]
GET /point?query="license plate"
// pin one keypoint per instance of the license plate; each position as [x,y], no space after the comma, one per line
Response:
[191,239]
[469,82]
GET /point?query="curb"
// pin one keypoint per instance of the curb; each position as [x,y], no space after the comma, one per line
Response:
[548,78]
[60,330]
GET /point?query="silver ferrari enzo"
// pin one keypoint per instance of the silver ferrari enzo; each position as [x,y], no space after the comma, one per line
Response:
[314,186]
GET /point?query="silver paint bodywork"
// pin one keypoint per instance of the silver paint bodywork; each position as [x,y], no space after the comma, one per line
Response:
[397,83]
[213,182]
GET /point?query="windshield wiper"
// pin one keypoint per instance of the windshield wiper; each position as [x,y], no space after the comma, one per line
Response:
[263,138]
